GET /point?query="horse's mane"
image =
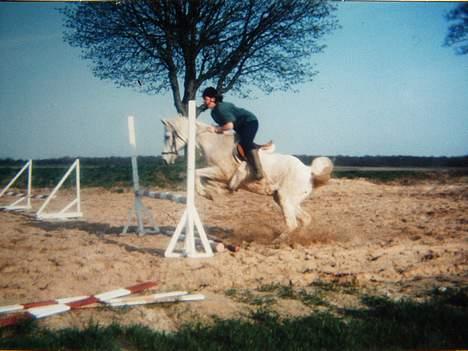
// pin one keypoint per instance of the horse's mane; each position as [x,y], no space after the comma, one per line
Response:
[182,121]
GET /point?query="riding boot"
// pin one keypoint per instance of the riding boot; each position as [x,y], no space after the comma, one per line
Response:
[254,160]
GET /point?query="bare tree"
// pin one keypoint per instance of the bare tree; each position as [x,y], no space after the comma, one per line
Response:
[458,31]
[179,45]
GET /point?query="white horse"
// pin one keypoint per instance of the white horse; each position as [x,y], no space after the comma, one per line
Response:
[287,179]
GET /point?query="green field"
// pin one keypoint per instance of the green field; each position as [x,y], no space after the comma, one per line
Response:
[116,172]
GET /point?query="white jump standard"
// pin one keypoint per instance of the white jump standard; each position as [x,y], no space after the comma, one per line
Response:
[76,203]
[24,201]
[140,210]
[190,219]
[24,197]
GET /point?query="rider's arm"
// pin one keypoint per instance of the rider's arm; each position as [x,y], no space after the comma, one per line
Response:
[201,108]
[224,127]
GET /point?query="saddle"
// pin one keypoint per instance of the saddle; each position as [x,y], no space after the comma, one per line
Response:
[239,152]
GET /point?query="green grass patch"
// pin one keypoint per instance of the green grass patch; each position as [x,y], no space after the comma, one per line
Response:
[267,295]
[249,297]
[314,298]
[343,287]
[314,295]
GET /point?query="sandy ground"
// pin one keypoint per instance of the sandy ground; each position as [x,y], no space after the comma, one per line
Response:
[396,240]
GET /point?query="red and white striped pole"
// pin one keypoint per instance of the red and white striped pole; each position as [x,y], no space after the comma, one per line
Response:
[36,310]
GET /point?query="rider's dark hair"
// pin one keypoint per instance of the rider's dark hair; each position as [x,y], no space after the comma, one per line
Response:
[212,93]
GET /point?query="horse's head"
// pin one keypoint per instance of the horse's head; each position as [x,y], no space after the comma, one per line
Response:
[175,138]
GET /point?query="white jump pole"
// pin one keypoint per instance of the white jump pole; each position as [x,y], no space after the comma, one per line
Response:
[190,218]
[138,208]
[15,206]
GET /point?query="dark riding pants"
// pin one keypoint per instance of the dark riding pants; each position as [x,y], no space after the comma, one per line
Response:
[246,133]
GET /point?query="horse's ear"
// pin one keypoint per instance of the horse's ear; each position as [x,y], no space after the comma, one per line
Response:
[167,123]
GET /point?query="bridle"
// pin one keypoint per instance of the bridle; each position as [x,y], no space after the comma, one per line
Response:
[173,149]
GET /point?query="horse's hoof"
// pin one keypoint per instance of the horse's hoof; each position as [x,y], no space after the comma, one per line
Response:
[206,195]
[233,186]
[281,240]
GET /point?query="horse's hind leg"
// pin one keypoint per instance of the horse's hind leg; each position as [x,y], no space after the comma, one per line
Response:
[239,176]
[303,216]
[290,216]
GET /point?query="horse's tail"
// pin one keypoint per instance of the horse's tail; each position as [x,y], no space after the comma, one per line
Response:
[321,169]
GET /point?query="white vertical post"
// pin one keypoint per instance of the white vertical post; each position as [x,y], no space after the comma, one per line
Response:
[78,187]
[138,207]
[190,239]
[28,204]
[190,217]
[136,179]
[132,142]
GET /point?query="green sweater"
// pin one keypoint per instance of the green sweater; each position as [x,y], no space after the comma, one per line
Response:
[225,112]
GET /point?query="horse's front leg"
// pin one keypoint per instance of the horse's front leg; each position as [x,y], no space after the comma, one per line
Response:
[289,213]
[211,173]
[239,176]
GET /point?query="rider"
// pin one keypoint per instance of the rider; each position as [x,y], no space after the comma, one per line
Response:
[228,116]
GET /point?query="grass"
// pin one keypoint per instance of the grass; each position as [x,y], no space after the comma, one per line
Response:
[381,324]
[344,288]
[247,296]
[309,297]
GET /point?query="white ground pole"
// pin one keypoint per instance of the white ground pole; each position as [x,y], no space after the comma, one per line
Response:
[139,208]
[190,219]
[16,205]
[64,213]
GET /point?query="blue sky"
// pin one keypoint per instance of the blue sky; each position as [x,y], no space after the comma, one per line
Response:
[386,86]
